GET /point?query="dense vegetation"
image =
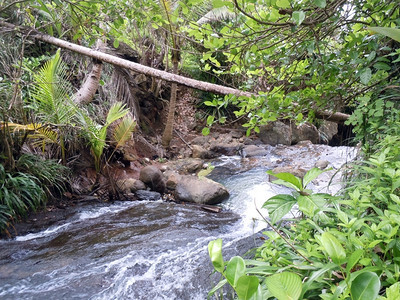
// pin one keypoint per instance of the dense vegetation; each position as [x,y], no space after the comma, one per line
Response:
[297,60]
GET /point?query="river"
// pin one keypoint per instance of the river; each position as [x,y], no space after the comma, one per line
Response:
[152,250]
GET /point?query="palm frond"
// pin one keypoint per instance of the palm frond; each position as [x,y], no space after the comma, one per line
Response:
[216,14]
[123,132]
[117,111]
[51,92]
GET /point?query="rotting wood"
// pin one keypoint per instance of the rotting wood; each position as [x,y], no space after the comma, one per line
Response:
[181,80]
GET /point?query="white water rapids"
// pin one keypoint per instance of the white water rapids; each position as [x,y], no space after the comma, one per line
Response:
[151,250]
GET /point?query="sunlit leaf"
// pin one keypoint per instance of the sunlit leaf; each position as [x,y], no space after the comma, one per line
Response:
[334,249]
[284,286]
[215,253]
[235,269]
[278,206]
[246,287]
[365,286]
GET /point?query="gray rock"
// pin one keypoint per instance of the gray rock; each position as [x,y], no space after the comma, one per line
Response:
[253,150]
[275,133]
[130,185]
[153,177]
[322,164]
[147,195]
[199,152]
[299,172]
[327,130]
[172,180]
[200,190]
[226,149]
[305,132]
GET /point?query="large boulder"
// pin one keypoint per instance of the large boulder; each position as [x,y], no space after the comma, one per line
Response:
[305,132]
[275,133]
[153,177]
[200,190]
[328,130]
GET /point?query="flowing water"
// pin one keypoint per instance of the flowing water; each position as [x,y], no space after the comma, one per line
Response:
[150,250]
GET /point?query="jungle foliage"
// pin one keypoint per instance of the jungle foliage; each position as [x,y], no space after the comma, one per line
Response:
[295,57]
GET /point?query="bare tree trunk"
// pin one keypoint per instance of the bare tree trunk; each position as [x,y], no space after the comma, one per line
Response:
[169,126]
[192,83]
[88,89]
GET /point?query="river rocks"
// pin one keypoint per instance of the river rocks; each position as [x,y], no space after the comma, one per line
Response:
[200,152]
[305,132]
[153,177]
[130,185]
[147,195]
[322,164]
[275,133]
[253,150]
[299,172]
[328,130]
[200,190]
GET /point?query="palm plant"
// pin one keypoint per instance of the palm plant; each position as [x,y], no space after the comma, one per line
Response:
[51,99]
[96,134]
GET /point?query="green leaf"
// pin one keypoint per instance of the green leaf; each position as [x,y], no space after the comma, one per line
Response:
[333,248]
[365,286]
[278,206]
[287,179]
[353,259]
[298,17]
[284,286]
[210,120]
[311,175]
[209,103]
[393,292]
[246,287]
[234,270]
[382,66]
[320,3]
[116,43]
[283,3]
[217,287]
[205,131]
[393,33]
[309,204]
[365,75]
[215,253]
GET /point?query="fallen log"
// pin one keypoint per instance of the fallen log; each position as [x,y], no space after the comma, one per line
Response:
[181,80]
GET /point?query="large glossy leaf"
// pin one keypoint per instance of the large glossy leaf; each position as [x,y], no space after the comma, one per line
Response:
[215,253]
[334,249]
[311,175]
[246,287]
[365,286]
[287,179]
[393,33]
[310,204]
[234,270]
[278,206]
[284,286]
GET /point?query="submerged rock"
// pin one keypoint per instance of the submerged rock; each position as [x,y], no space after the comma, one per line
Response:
[200,190]
[147,195]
